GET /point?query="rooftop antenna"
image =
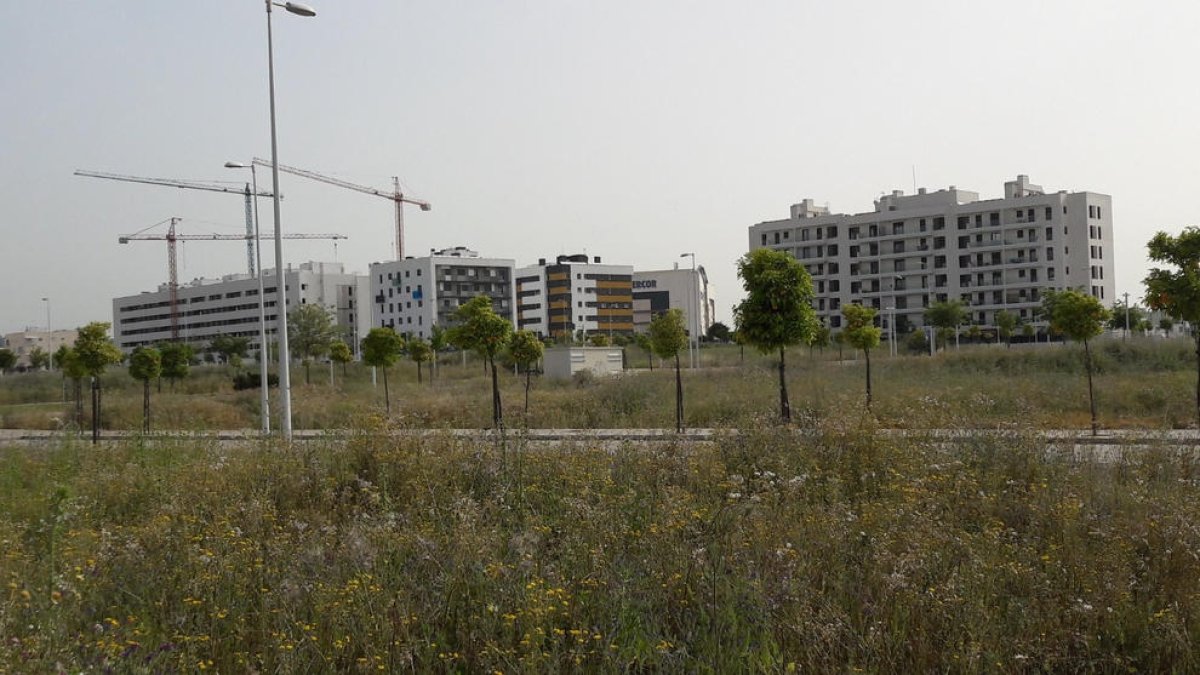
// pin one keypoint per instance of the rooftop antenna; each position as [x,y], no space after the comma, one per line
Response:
[914,171]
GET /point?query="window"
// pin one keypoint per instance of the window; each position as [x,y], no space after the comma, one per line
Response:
[787,234]
[994,218]
[776,241]
[1049,213]
[418,274]
[406,272]
[764,239]
[1049,253]
[1049,234]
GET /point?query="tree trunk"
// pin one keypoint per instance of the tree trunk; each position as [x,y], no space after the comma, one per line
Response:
[678,397]
[867,354]
[497,412]
[307,380]
[650,359]
[785,408]
[528,375]
[1198,378]
[1087,363]
[146,406]
[387,398]
[95,410]
[419,380]
[741,355]
[78,389]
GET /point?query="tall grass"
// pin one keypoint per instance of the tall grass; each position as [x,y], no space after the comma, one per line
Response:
[766,552]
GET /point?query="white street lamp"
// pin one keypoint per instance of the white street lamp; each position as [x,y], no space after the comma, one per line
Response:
[285,380]
[693,320]
[263,352]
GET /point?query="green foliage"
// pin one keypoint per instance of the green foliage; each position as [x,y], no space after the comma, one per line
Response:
[1075,314]
[340,352]
[310,331]
[8,359]
[1006,323]
[419,350]
[145,364]
[438,338]
[860,331]
[68,361]
[719,332]
[231,348]
[599,340]
[1175,288]
[822,337]
[525,348]
[946,316]
[480,328]
[94,351]
[176,360]
[1117,316]
[667,334]
[777,311]
[39,358]
[381,348]
[917,342]
[1166,324]
[251,380]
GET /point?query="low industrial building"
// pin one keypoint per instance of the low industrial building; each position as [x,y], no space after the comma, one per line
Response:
[413,295]
[207,308]
[562,363]
[23,343]
[688,290]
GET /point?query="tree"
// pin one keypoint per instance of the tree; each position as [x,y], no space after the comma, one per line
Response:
[420,352]
[340,352]
[8,359]
[231,348]
[526,349]
[974,332]
[668,336]
[380,349]
[719,332]
[68,361]
[643,342]
[861,333]
[1117,320]
[96,353]
[822,338]
[946,317]
[438,341]
[1175,289]
[777,312]
[486,332]
[1165,324]
[1080,317]
[599,340]
[145,364]
[311,331]
[176,361]
[39,358]
[1006,323]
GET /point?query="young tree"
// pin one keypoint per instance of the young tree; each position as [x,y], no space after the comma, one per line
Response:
[145,364]
[311,330]
[1080,317]
[96,353]
[72,368]
[381,348]
[643,342]
[8,359]
[822,338]
[946,317]
[668,336]
[438,341]
[1117,317]
[39,358]
[1006,323]
[231,348]
[526,349]
[339,352]
[1165,324]
[1027,330]
[176,361]
[861,333]
[420,352]
[777,312]
[486,332]
[1175,289]
[599,340]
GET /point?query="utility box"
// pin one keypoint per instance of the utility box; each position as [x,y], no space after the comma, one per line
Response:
[561,363]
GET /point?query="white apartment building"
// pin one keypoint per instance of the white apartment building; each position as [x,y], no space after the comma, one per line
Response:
[24,342]
[913,250]
[574,296]
[415,294]
[229,306]
[689,291]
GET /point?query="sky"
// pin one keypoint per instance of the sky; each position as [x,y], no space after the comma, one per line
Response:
[631,130]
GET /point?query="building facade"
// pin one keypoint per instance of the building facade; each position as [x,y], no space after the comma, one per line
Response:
[23,343]
[689,291]
[229,306]
[914,250]
[575,297]
[413,295]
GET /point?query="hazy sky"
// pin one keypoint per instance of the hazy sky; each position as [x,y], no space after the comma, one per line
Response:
[631,130]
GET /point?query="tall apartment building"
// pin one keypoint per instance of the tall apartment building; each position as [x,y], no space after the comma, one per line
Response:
[415,294]
[688,290]
[572,295]
[229,306]
[911,251]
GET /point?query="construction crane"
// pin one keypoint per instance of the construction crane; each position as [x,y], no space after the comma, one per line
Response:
[196,185]
[395,195]
[171,237]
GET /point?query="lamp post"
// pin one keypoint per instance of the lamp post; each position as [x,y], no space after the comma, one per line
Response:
[285,380]
[693,291]
[1126,335]
[263,352]
[49,329]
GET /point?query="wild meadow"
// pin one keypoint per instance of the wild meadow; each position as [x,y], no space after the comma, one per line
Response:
[841,549]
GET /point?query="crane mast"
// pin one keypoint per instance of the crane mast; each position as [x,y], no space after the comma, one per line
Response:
[396,196]
[195,185]
[172,237]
